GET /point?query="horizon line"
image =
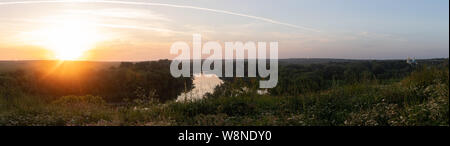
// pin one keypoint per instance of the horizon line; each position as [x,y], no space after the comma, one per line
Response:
[355,59]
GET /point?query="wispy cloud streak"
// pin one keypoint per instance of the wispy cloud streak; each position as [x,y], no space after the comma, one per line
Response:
[166,5]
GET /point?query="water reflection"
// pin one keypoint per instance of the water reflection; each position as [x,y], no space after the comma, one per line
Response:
[203,83]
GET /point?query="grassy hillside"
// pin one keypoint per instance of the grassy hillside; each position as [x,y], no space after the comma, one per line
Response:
[421,98]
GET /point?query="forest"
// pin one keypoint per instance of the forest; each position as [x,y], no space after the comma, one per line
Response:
[310,92]
[53,79]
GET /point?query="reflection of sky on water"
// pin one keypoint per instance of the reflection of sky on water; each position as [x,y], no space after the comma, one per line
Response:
[203,84]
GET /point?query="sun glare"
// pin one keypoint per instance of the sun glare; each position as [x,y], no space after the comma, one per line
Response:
[70,39]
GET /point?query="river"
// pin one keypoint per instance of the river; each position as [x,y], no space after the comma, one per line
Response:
[204,83]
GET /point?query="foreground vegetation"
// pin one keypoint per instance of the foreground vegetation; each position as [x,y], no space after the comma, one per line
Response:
[419,97]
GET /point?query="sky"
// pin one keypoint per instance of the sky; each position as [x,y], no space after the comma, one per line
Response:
[138,30]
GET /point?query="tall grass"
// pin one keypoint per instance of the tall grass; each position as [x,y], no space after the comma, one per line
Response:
[419,99]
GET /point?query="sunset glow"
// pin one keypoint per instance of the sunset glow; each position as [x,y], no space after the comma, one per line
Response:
[137,30]
[68,40]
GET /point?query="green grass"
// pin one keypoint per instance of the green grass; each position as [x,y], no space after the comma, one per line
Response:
[418,100]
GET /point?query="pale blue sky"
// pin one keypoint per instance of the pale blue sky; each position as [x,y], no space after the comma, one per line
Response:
[356,29]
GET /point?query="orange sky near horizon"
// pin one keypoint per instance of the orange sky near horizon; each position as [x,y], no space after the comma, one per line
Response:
[139,30]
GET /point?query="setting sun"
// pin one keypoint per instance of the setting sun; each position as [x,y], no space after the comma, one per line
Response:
[68,40]
[71,41]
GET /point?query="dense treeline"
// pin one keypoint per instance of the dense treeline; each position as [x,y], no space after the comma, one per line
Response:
[296,77]
[117,83]
[379,93]
[421,98]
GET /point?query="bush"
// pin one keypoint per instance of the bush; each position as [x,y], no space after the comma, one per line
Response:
[72,100]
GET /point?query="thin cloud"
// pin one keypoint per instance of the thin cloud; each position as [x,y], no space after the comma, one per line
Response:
[108,25]
[138,27]
[168,5]
[119,13]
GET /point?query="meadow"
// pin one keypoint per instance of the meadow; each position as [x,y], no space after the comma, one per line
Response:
[328,93]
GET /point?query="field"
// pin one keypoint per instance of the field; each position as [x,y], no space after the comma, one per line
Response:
[324,93]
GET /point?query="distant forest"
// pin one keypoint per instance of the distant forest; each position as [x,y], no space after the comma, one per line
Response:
[53,79]
[116,82]
[322,92]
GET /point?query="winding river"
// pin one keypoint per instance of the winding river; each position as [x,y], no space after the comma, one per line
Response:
[203,83]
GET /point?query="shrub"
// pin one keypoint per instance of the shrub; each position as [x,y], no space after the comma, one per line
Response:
[72,100]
